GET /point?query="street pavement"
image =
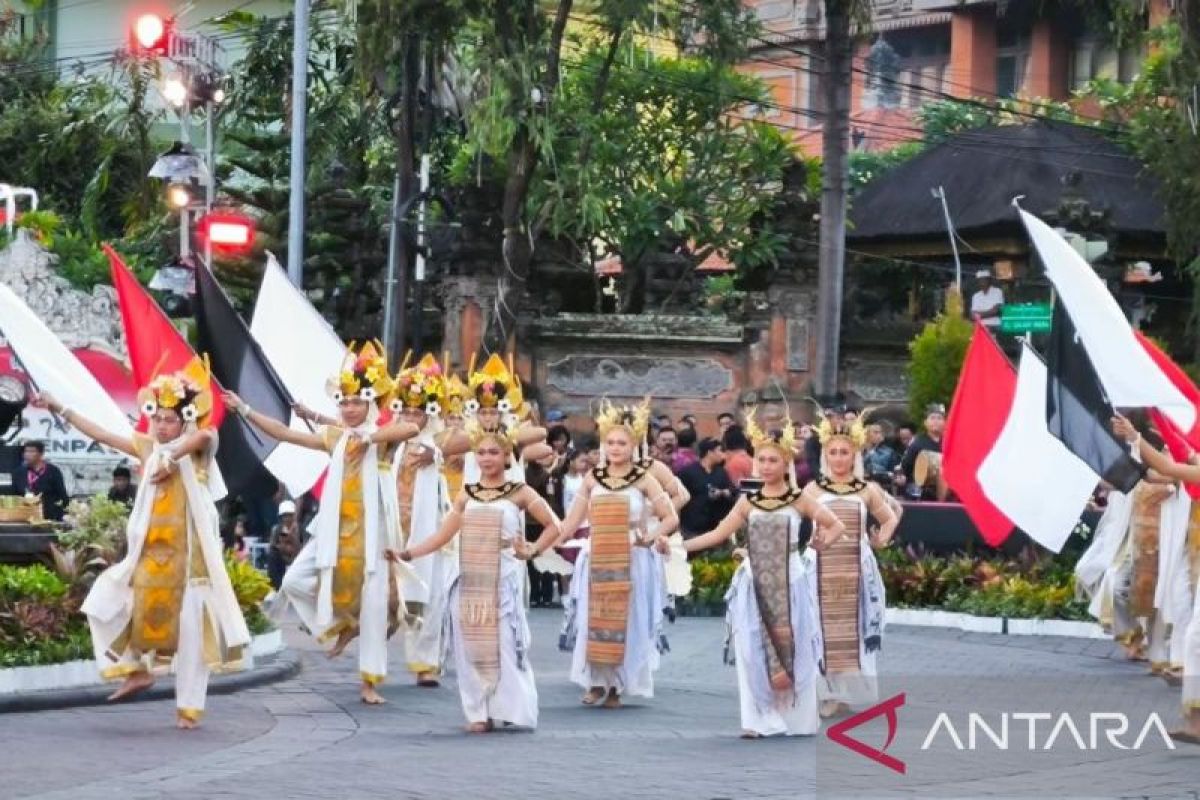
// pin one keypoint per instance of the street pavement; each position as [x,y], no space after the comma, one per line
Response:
[310,737]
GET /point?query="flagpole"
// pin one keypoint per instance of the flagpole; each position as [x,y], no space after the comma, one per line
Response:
[940,193]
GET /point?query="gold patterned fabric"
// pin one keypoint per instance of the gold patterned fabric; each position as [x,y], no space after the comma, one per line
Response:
[1193,542]
[768,544]
[609,579]
[479,591]
[1147,507]
[351,558]
[838,581]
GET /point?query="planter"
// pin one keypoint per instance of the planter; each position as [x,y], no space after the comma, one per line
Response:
[73,674]
[935,618]
[1056,627]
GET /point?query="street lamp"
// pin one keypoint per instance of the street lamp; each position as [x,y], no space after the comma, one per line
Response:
[181,169]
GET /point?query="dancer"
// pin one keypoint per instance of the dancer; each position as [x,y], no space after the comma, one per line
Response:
[849,585]
[455,418]
[772,601]
[339,583]
[617,608]
[495,397]
[487,614]
[169,602]
[1189,473]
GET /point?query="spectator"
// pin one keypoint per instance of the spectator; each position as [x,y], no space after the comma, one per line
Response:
[234,537]
[541,584]
[687,422]
[739,465]
[666,443]
[287,537]
[566,481]
[122,489]
[555,417]
[38,476]
[849,414]
[931,440]
[905,433]
[812,445]
[879,459]
[685,456]
[712,492]
[986,302]
[724,420]
[559,439]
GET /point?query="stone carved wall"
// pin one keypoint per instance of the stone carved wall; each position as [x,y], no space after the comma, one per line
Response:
[635,376]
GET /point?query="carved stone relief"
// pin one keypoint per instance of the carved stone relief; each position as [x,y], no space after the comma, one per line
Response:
[635,376]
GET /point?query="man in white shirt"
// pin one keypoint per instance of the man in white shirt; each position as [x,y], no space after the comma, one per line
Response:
[986,302]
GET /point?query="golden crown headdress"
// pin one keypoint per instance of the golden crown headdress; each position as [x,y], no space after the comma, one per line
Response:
[635,419]
[188,391]
[783,439]
[456,394]
[839,428]
[422,386]
[496,385]
[505,435]
[364,375]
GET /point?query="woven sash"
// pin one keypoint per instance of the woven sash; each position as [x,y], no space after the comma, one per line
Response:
[609,580]
[479,591]
[767,541]
[838,577]
[1147,514]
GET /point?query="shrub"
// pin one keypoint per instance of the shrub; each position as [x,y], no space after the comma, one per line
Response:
[251,587]
[937,355]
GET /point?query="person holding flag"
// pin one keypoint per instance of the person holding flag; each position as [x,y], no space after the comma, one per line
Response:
[340,583]
[1188,472]
[168,604]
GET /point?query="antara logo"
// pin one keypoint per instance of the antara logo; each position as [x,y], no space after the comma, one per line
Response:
[1112,725]
[888,707]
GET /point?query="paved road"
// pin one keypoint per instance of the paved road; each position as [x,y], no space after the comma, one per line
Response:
[310,738]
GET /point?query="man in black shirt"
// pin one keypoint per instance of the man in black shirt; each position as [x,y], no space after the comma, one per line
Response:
[122,489]
[930,439]
[38,476]
[712,492]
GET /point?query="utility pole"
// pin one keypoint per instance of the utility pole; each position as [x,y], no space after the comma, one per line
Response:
[834,184]
[940,193]
[299,122]
[426,145]
[395,320]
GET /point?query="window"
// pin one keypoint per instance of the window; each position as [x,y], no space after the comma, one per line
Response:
[815,102]
[1092,59]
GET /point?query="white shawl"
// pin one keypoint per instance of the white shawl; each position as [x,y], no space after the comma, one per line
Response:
[1173,592]
[1110,532]
[429,504]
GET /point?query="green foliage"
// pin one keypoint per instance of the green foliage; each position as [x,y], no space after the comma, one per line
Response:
[251,587]
[711,576]
[867,166]
[39,619]
[936,358]
[34,583]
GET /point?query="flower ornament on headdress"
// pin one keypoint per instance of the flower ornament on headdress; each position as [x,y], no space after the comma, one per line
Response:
[188,392]
[504,435]
[783,439]
[364,375]
[422,386]
[635,419]
[496,386]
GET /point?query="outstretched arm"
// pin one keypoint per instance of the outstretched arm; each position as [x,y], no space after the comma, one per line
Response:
[1157,461]
[453,443]
[732,523]
[396,432]
[84,425]
[273,427]
[450,527]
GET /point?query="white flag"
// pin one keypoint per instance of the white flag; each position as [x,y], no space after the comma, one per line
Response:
[1129,376]
[1028,461]
[304,351]
[53,368]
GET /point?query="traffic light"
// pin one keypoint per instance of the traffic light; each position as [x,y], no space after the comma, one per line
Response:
[150,35]
[227,232]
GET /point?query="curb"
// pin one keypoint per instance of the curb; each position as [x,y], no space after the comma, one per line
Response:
[277,669]
[1003,626]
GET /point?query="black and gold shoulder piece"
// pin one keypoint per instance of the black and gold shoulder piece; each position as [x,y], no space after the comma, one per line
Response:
[490,494]
[765,503]
[615,484]
[836,487]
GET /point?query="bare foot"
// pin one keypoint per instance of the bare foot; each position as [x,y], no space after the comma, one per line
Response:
[344,639]
[832,708]
[748,734]
[186,724]
[479,727]
[1186,736]
[593,696]
[428,680]
[613,700]
[137,682]
[370,696]
[1173,677]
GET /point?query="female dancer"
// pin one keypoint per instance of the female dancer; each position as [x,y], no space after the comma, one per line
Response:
[339,583]
[619,580]
[849,586]
[772,599]
[487,613]
[155,607]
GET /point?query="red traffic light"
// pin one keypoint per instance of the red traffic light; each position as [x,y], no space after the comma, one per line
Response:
[150,35]
[227,232]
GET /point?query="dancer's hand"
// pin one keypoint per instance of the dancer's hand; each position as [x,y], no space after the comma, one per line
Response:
[391,555]
[421,457]
[233,401]
[304,412]
[521,550]
[1124,428]
[663,545]
[46,402]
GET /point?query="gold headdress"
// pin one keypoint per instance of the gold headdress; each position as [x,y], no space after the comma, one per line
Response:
[364,375]
[188,391]
[505,435]
[495,386]
[422,386]
[855,432]
[783,439]
[456,395]
[635,419]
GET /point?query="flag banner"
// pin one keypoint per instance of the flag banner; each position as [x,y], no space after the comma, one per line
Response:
[981,405]
[1177,445]
[1182,382]
[239,365]
[305,352]
[1126,371]
[1031,476]
[1078,411]
[53,368]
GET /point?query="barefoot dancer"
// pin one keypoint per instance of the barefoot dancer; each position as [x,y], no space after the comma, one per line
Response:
[849,585]
[772,599]
[491,639]
[619,578]
[169,601]
[340,583]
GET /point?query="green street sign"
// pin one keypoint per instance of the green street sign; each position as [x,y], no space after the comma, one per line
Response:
[1018,318]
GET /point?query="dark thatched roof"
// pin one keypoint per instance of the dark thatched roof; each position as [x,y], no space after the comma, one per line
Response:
[984,169]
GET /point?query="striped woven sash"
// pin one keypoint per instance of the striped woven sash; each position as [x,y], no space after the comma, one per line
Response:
[479,592]
[609,580]
[838,579]
[768,544]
